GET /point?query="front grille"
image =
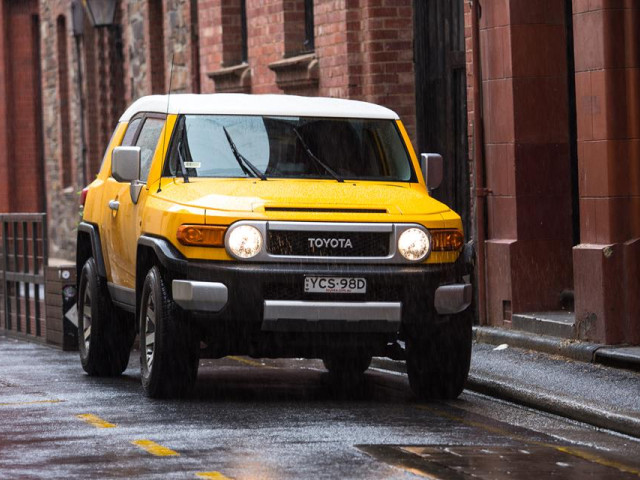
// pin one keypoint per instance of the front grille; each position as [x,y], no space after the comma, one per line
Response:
[328,244]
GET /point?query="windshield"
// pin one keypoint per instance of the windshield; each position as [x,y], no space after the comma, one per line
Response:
[288,147]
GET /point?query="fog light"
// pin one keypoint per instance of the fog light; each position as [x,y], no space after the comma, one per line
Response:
[244,241]
[414,244]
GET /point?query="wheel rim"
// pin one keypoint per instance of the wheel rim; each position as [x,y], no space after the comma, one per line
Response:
[86,318]
[150,330]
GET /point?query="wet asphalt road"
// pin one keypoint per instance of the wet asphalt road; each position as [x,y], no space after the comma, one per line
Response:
[277,419]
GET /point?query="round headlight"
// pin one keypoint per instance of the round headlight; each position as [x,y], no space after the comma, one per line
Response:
[414,244]
[245,241]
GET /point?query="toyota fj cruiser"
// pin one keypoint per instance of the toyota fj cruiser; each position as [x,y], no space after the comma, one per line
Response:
[270,226]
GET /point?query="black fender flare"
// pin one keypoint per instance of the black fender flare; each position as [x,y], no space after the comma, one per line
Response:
[168,255]
[96,247]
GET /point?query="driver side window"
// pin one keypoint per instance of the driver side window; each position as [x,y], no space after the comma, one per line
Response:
[147,141]
[130,135]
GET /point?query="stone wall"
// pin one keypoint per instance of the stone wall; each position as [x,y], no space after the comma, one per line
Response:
[62,200]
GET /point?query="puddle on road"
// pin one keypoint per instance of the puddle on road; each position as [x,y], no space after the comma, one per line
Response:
[498,463]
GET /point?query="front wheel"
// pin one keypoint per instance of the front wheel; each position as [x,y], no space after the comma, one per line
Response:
[438,358]
[168,346]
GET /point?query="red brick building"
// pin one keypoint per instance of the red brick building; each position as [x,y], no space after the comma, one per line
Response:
[535,105]
[558,164]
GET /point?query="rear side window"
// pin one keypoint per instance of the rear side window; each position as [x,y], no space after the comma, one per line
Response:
[147,141]
[130,135]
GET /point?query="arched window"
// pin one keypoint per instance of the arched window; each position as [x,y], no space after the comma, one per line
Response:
[156,46]
[66,160]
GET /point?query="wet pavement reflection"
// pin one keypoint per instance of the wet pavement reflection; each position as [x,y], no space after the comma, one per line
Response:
[277,419]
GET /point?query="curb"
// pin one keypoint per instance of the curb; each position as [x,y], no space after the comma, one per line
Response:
[546,402]
[618,357]
[554,404]
[584,352]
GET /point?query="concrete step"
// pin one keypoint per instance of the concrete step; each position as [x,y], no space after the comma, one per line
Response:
[555,324]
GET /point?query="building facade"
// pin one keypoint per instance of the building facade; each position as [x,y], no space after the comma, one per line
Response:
[557,162]
[535,105]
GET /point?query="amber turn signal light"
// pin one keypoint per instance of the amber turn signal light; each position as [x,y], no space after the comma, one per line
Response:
[201,235]
[446,240]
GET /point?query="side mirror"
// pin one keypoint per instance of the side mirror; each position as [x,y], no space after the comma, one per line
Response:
[125,164]
[432,169]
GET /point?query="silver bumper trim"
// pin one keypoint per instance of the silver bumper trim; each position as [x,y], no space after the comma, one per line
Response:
[450,299]
[290,315]
[202,296]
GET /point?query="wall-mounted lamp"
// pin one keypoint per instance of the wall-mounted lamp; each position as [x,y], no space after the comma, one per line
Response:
[102,13]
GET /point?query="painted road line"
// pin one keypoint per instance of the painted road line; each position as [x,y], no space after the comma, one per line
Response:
[34,402]
[246,361]
[95,421]
[155,449]
[213,475]
[592,457]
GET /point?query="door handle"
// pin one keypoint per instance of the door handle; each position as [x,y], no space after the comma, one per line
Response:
[114,205]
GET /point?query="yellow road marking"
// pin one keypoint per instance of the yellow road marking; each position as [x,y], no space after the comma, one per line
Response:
[34,402]
[155,449]
[591,457]
[598,459]
[95,421]
[214,475]
[246,361]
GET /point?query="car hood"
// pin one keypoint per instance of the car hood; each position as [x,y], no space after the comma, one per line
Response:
[273,195]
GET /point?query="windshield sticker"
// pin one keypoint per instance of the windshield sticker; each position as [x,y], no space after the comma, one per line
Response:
[192,164]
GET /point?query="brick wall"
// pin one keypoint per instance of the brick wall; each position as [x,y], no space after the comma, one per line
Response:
[363,49]
[21,184]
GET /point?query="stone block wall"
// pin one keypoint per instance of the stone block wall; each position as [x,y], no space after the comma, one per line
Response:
[62,200]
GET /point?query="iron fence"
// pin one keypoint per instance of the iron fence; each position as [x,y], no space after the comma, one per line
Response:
[23,253]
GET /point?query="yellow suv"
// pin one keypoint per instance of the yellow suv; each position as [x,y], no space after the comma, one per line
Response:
[270,226]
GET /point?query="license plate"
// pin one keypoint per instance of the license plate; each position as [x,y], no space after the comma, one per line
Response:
[335,285]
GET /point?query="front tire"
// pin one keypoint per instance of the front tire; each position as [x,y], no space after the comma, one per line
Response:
[168,346]
[438,358]
[103,335]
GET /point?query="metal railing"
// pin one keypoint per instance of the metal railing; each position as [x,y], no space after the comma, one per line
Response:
[23,254]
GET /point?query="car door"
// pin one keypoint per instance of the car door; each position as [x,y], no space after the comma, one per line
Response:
[131,213]
[123,225]
[113,194]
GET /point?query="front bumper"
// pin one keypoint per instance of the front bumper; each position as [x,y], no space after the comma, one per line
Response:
[271,297]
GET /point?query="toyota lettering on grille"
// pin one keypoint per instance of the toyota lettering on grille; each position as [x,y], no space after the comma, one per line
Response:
[330,243]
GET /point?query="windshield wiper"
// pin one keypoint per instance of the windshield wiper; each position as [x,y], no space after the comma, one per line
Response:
[316,159]
[241,159]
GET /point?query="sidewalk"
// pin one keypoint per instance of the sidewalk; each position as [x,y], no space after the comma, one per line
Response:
[593,393]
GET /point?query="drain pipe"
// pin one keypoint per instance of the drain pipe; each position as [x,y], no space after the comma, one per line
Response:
[478,160]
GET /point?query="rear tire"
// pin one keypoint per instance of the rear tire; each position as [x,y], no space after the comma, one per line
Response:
[438,358]
[168,346]
[103,335]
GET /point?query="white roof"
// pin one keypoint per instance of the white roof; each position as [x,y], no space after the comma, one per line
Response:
[246,104]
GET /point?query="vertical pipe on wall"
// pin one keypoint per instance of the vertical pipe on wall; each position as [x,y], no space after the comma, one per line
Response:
[478,159]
